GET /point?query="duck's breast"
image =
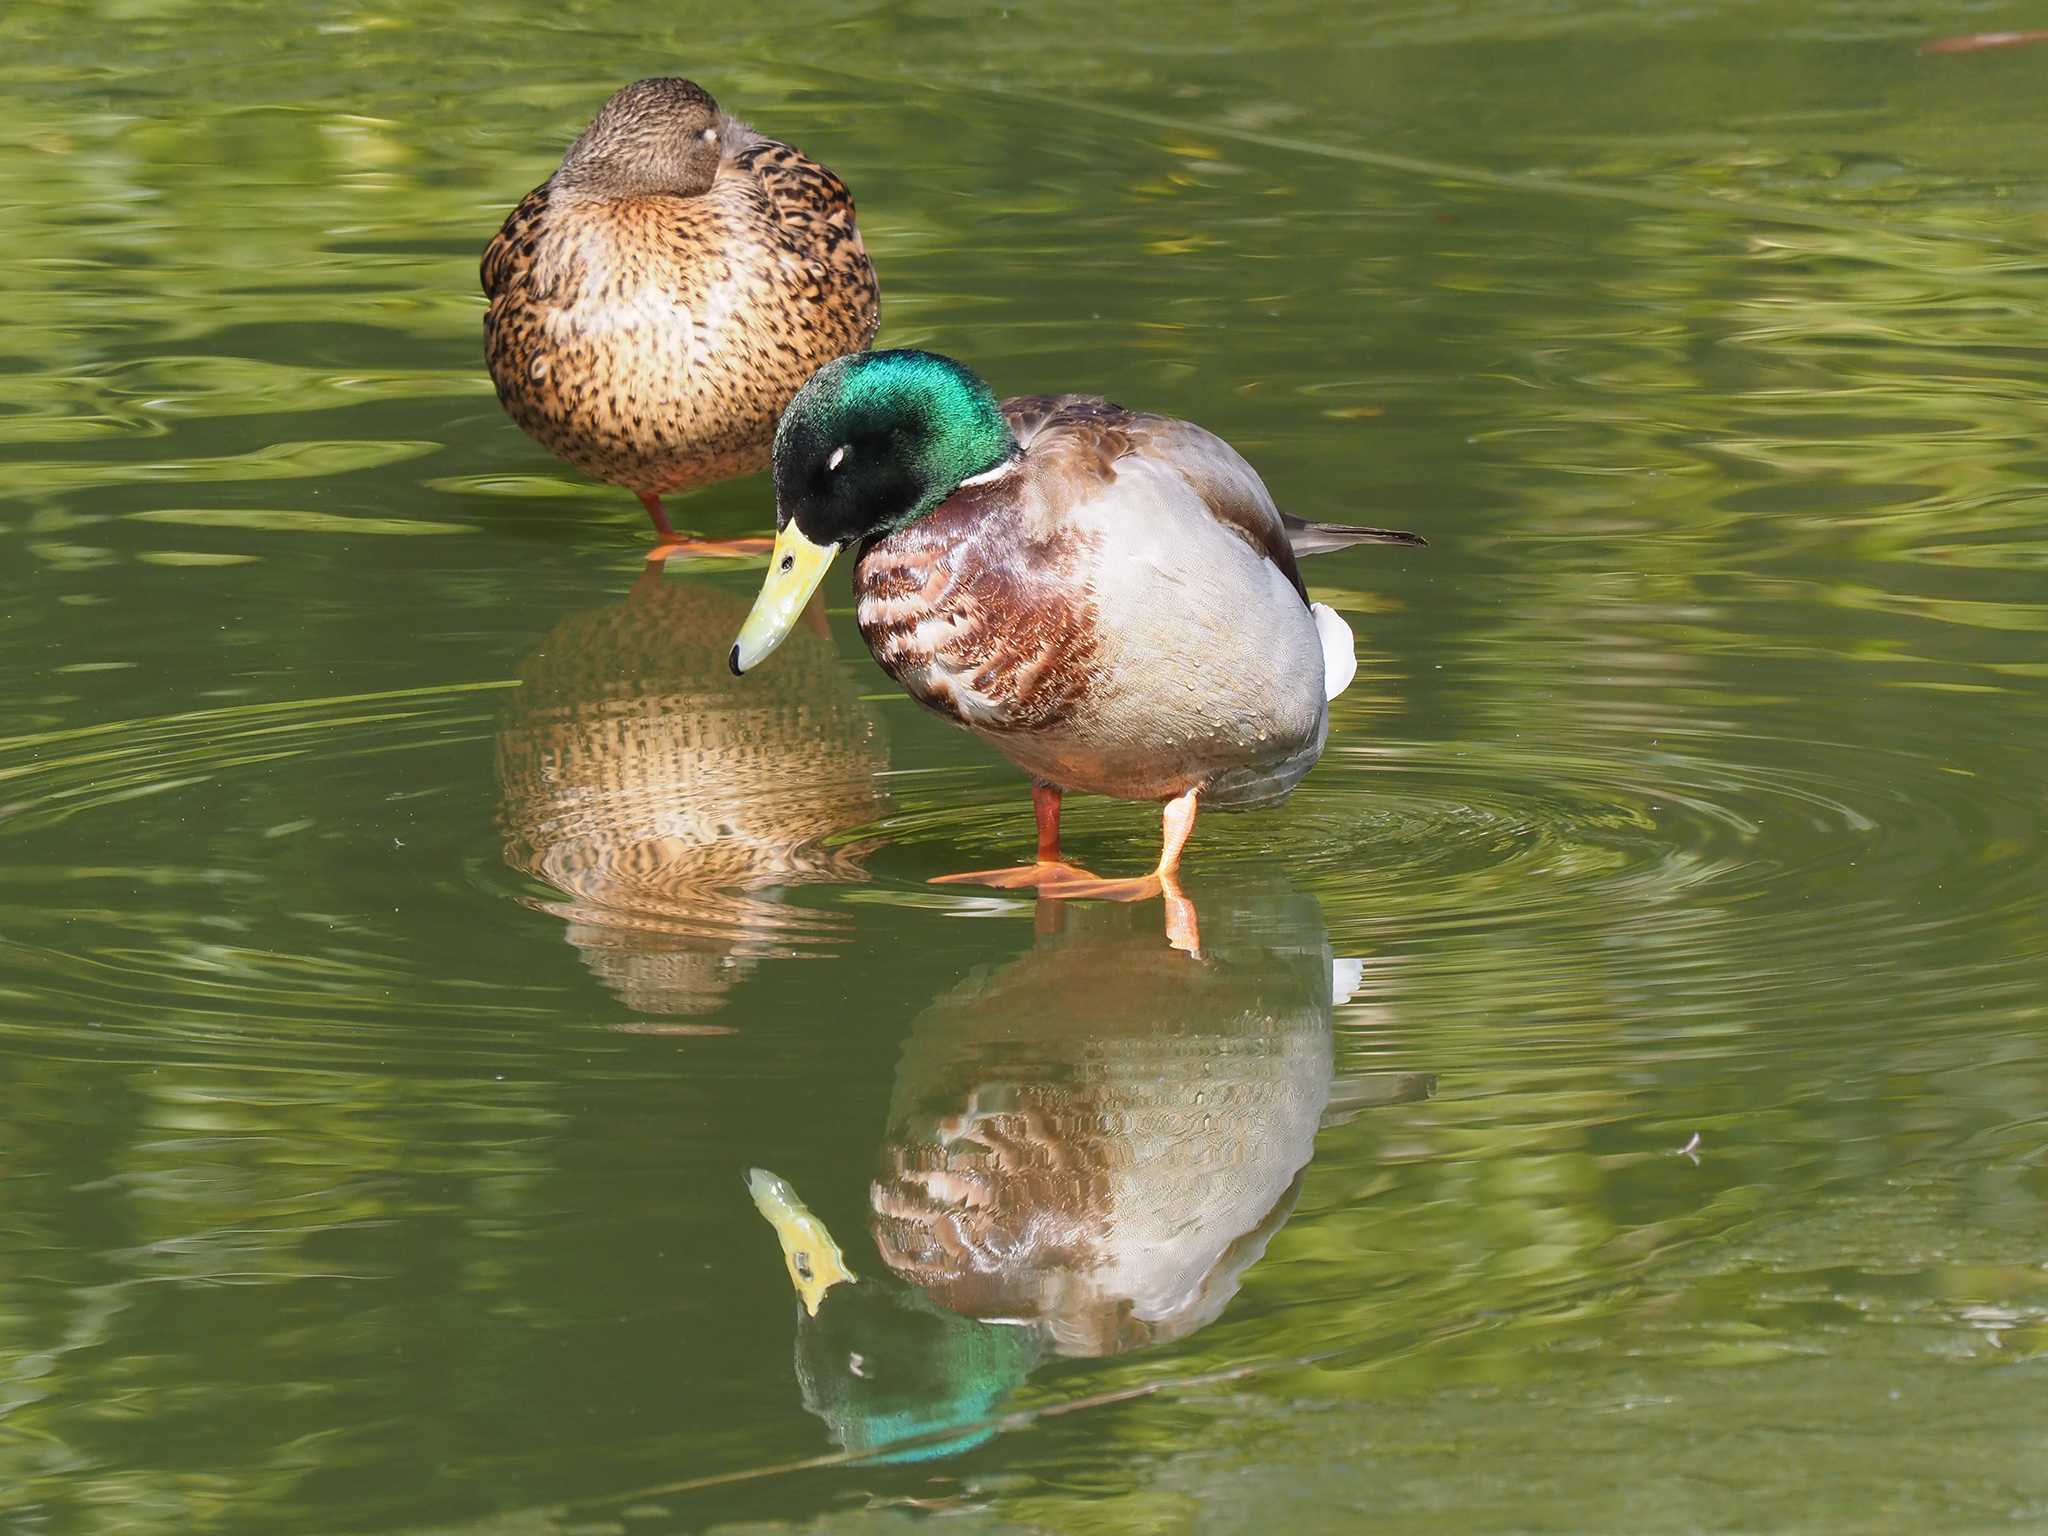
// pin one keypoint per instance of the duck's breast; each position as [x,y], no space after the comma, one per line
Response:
[978,621]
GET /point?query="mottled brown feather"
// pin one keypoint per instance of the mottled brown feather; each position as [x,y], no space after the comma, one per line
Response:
[661,798]
[652,341]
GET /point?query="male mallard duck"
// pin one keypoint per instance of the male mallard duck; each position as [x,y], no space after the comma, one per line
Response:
[1109,597]
[1099,1139]
[1088,1148]
[656,302]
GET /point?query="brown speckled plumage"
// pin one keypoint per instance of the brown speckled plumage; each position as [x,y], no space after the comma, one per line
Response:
[659,796]
[652,337]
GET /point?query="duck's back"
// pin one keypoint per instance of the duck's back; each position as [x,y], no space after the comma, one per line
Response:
[653,341]
[1119,612]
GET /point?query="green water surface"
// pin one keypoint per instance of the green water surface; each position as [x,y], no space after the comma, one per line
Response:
[410,936]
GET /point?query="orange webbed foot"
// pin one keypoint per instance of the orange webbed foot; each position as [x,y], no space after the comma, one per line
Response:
[665,550]
[1045,875]
[1094,888]
[1183,927]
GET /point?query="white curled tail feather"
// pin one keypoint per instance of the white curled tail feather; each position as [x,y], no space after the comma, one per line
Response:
[1346,977]
[1340,659]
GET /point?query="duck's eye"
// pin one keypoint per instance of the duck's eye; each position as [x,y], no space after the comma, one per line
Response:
[788,564]
[838,457]
[709,135]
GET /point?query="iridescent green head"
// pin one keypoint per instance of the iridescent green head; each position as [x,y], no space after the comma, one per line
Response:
[876,440]
[871,444]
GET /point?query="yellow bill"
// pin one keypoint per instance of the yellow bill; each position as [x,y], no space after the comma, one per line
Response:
[794,571]
[815,1263]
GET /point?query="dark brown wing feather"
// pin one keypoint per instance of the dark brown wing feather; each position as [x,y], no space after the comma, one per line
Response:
[1088,425]
[512,247]
[816,213]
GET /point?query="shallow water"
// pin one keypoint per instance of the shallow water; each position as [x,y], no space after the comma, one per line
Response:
[410,936]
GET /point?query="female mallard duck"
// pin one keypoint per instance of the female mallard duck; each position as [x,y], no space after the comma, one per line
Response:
[655,303]
[670,805]
[1108,597]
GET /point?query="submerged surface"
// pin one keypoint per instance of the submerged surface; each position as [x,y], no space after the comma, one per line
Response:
[410,936]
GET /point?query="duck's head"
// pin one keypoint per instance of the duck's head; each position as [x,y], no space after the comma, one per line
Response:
[655,136]
[869,445]
[883,1366]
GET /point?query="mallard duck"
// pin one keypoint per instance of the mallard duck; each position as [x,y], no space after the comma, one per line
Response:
[667,803]
[1088,1147]
[655,303]
[1109,597]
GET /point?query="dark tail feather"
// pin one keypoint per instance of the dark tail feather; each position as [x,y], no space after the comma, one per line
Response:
[1306,538]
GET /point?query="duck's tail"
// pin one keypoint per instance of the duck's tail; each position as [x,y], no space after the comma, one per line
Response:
[1346,977]
[1340,660]
[1306,538]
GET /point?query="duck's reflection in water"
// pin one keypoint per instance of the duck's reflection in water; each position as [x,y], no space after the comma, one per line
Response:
[1087,1149]
[668,803]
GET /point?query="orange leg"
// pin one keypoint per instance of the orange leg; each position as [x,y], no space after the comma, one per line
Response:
[1048,872]
[655,510]
[1045,806]
[667,543]
[1182,928]
[1176,824]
